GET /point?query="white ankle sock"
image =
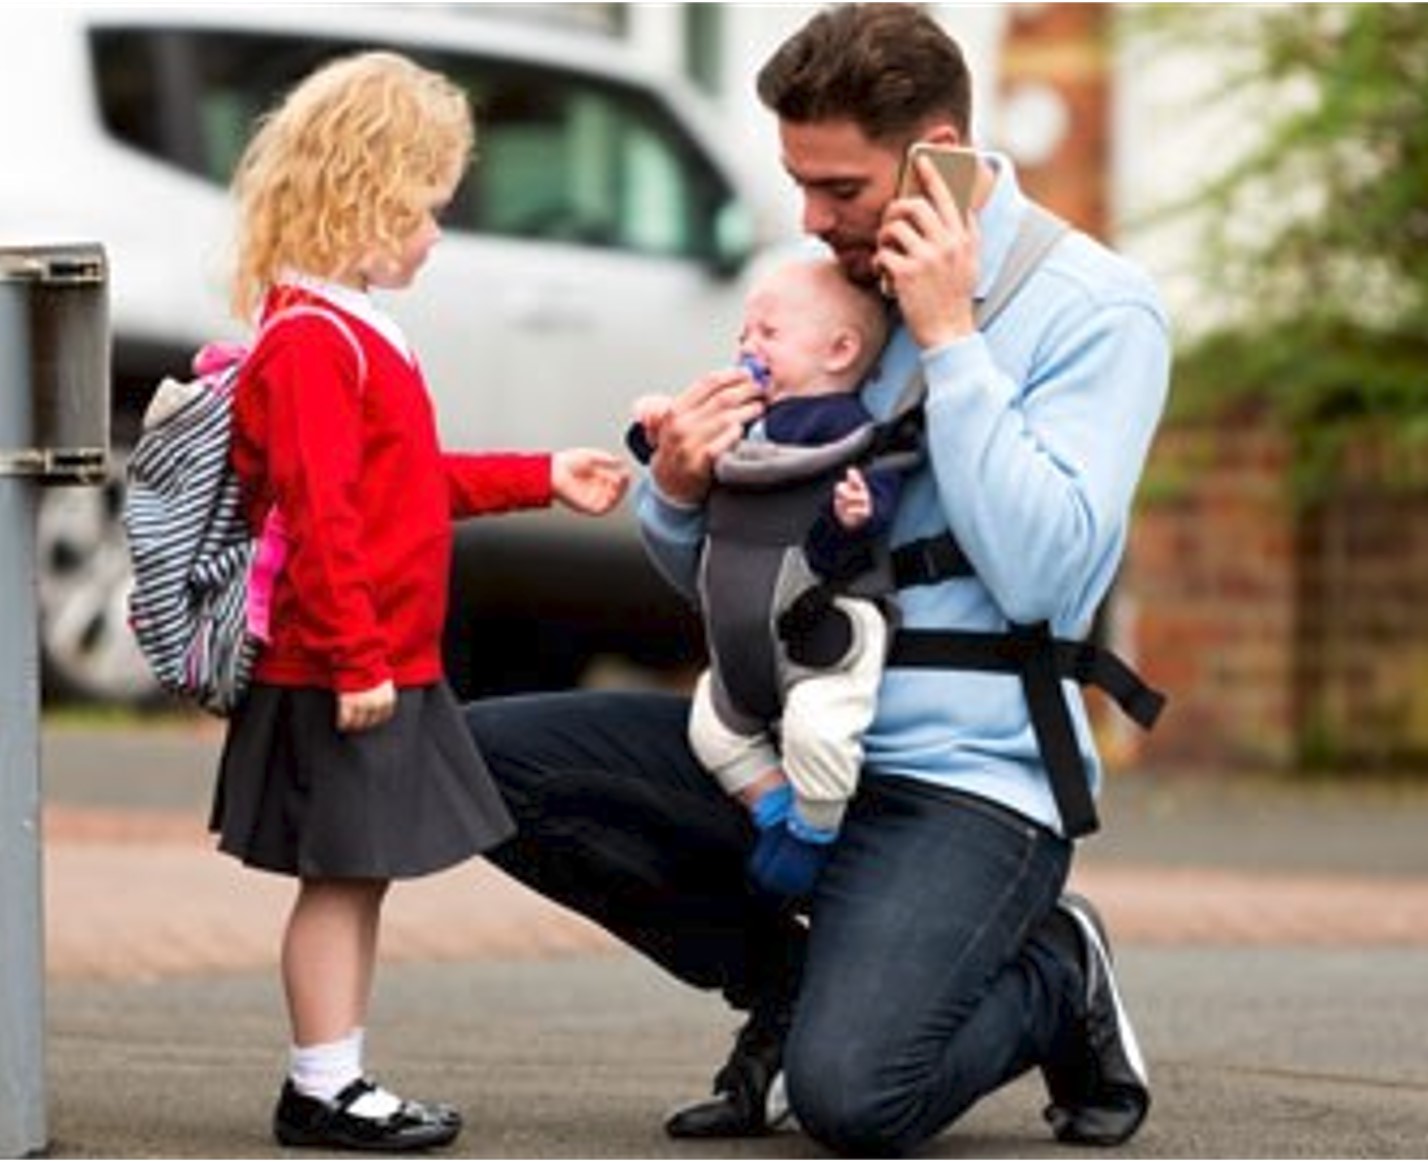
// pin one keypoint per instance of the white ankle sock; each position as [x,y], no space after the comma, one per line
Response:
[377,1104]
[325,1070]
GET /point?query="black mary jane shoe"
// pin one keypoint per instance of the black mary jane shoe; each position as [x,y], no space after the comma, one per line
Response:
[300,1120]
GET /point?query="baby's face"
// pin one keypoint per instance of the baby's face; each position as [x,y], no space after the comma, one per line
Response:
[790,333]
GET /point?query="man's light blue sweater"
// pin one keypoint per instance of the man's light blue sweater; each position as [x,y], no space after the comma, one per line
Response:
[1038,431]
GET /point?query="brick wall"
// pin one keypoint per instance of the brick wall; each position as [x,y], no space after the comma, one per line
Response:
[1362,678]
[1211,574]
[1065,47]
[1284,634]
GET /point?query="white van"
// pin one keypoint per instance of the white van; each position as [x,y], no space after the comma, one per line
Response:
[597,251]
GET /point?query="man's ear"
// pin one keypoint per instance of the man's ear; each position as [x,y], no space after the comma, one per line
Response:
[941,133]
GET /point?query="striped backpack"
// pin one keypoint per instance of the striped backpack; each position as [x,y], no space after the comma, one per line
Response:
[203,582]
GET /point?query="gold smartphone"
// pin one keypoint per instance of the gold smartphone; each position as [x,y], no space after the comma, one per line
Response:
[958,167]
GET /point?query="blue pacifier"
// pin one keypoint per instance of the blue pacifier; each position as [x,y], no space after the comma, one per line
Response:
[757,368]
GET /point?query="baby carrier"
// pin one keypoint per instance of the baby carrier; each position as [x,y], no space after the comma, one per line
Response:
[773,613]
[769,617]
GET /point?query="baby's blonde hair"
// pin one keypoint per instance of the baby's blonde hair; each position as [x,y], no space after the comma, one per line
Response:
[840,303]
[344,166]
[861,309]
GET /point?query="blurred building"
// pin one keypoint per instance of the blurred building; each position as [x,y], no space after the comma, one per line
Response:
[1282,636]
[1043,78]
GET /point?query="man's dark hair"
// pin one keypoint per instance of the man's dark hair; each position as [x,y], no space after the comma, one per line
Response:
[889,68]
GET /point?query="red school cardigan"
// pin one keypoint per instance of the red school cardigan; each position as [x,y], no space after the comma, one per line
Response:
[367,498]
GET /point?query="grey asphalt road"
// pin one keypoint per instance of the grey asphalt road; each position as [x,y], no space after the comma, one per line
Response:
[1279,1053]
[1279,1050]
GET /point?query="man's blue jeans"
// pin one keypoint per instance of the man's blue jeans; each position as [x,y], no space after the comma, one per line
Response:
[925,987]
[925,981]
[617,820]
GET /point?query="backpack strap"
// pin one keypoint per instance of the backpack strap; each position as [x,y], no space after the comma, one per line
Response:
[939,557]
[270,552]
[311,310]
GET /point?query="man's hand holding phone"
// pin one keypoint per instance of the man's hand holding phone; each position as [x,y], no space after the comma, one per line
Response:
[928,245]
[956,165]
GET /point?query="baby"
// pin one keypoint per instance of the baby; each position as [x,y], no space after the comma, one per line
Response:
[809,338]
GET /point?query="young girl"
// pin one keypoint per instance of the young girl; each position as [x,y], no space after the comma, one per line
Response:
[348,765]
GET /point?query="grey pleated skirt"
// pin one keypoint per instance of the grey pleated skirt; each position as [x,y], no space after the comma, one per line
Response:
[407,799]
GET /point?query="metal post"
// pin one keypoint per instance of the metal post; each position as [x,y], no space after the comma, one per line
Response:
[22,1009]
[54,427]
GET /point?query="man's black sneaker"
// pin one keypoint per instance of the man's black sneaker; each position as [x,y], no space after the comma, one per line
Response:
[1098,1083]
[749,1096]
[300,1120]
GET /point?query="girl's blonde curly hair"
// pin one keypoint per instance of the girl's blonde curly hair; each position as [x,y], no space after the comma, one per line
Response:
[343,168]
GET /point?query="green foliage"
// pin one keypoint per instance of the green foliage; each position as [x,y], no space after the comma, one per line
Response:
[1319,233]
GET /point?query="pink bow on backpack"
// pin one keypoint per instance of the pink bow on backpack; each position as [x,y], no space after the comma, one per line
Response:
[218,356]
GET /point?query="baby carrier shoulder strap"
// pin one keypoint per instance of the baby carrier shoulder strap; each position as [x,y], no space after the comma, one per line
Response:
[900,435]
[1031,652]
[1036,237]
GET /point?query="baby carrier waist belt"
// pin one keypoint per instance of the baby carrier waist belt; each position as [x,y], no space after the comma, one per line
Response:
[1042,662]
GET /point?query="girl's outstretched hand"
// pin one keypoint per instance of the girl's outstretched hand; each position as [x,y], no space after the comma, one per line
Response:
[588,480]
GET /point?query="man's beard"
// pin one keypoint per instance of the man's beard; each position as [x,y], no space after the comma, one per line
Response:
[856,261]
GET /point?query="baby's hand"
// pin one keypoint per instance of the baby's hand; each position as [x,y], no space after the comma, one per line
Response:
[650,412]
[588,480]
[852,501]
